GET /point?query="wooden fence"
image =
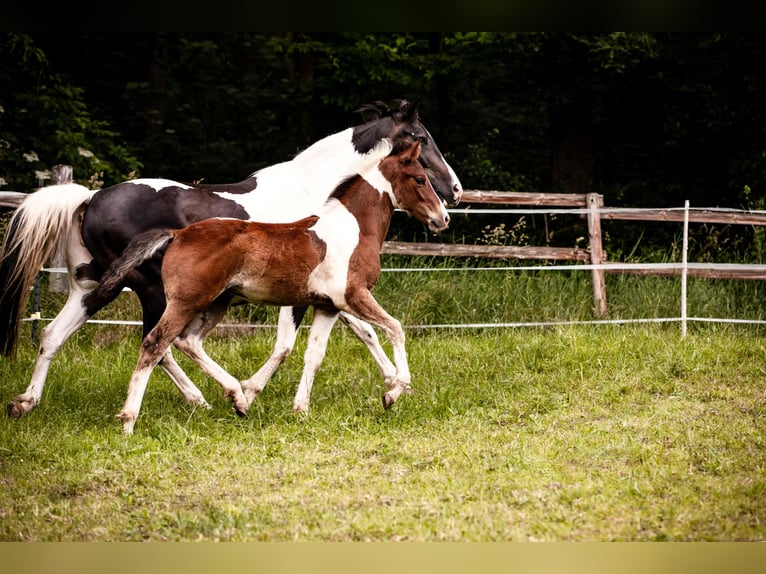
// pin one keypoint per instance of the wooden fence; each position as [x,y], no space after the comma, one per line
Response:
[594,211]
[591,207]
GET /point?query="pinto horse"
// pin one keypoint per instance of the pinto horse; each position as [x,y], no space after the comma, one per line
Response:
[330,261]
[94,227]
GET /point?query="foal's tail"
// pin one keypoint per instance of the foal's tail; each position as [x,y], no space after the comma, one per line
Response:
[141,248]
[40,224]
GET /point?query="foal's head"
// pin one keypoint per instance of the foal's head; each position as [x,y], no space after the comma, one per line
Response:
[403,127]
[412,190]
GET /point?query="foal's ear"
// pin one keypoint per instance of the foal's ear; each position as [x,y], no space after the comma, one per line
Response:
[411,154]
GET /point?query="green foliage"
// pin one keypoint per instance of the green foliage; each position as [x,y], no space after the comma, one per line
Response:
[669,116]
[45,122]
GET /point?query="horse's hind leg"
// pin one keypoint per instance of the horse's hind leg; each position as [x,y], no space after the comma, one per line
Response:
[315,351]
[154,347]
[181,380]
[71,317]
[287,330]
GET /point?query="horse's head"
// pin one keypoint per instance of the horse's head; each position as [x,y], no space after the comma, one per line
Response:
[403,127]
[412,189]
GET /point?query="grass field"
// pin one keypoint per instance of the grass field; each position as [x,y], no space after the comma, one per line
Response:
[569,433]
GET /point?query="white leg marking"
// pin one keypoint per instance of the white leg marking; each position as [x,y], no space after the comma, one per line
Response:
[71,317]
[369,337]
[191,346]
[181,380]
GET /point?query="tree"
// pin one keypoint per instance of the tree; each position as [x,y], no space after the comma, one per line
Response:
[45,121]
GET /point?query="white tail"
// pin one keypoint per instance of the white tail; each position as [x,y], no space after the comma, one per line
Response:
[40,224]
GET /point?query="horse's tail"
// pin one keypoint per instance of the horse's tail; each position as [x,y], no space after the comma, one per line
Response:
[141,248]
[39,225]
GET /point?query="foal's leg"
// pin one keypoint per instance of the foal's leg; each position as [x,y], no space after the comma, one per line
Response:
[315,351]
[364,306]
[190,343]
[153,348]
[150,354]
[287,330]
[152,300]
[366,334]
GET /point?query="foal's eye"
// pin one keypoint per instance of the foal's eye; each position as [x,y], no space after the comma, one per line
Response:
[420,180]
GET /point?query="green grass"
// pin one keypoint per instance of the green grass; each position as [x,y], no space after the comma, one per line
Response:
[570,433]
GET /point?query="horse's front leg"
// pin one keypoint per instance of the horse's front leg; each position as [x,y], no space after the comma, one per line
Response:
[287,330]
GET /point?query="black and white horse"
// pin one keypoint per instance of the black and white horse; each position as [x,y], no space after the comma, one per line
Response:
[95,227]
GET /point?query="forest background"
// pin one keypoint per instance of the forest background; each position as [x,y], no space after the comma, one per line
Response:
[646,119]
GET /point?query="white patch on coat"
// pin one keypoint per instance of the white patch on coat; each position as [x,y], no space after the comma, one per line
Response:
[338,228]
[158,184]
[375,178]
[295,189]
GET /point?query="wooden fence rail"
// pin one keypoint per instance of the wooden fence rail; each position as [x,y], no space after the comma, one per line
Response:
[594,254]
[593,204]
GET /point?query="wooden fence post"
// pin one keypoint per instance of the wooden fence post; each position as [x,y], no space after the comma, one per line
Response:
[596,252]
[58,281]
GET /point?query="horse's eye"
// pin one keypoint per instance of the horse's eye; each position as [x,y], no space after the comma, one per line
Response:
[422,139]
[420,180]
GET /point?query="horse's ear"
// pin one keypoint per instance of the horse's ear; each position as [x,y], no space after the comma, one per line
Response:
[411,154]
[408,111]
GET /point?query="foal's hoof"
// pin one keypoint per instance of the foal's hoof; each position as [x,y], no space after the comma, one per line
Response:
[390,397]
[239,404]
[241,409]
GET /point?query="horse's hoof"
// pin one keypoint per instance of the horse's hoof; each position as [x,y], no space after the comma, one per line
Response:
[18,407]
[14,410]
[388,401]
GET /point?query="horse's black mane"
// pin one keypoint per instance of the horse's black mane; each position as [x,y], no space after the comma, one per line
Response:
[406,112]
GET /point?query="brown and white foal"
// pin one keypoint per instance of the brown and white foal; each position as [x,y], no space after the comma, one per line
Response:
[330,261]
